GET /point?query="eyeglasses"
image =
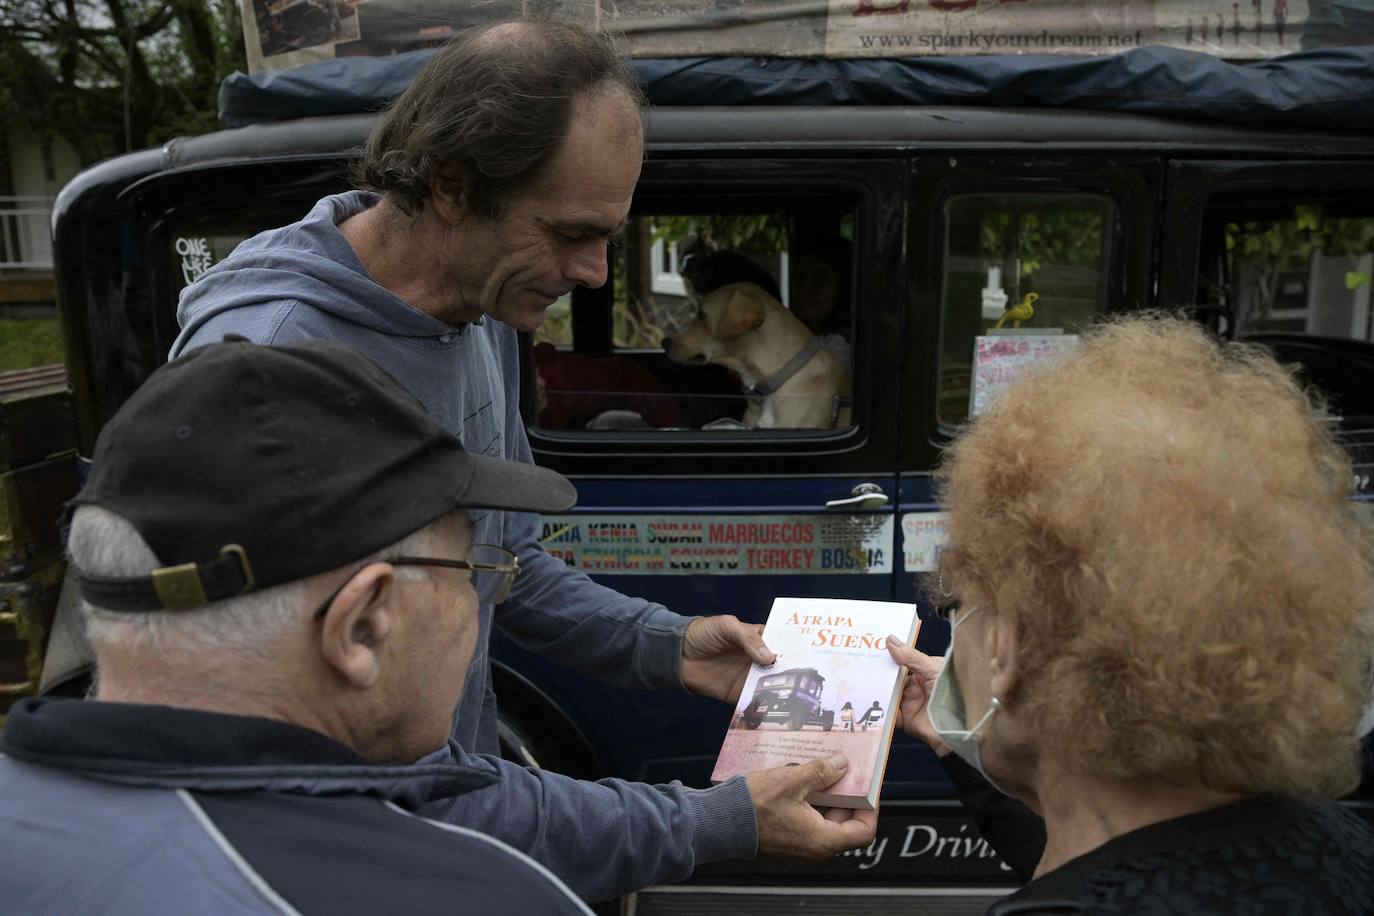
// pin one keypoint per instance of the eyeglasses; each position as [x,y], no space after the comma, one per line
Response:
[493,571]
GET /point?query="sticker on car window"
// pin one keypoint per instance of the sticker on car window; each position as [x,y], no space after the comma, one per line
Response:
[923,536]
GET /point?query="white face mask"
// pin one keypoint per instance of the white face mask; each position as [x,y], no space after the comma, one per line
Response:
[947,715]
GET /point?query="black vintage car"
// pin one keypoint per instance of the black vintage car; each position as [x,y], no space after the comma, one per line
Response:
[792,697]
[923,222]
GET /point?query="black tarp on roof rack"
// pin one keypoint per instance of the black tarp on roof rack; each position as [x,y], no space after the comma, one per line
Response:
[1329,88]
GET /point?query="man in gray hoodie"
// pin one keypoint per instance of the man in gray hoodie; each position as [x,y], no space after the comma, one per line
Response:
[496,181]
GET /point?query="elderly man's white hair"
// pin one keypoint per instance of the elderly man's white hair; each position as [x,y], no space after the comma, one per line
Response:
[104,544]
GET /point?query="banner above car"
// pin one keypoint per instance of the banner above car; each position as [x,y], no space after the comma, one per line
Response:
[287,33]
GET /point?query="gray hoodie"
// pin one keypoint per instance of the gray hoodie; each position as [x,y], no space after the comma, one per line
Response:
[604,839]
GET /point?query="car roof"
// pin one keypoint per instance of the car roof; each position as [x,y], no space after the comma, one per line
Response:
[827,128]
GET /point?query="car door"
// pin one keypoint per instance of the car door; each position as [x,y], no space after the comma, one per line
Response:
[1066,238]
[681,499]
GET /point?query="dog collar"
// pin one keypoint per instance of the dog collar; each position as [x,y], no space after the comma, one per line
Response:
[775,381]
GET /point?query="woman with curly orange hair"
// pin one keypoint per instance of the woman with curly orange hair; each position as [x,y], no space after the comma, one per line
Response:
[1162,634]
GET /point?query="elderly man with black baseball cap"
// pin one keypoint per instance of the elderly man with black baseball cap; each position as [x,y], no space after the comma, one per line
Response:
[275,555]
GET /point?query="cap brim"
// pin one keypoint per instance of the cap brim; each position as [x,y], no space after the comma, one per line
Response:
[498,483]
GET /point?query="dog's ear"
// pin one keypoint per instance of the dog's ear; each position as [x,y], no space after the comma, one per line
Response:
[742,314]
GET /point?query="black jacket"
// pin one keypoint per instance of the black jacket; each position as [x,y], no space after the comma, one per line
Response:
[1263,856]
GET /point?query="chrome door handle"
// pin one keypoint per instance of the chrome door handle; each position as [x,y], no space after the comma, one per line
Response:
[866,496]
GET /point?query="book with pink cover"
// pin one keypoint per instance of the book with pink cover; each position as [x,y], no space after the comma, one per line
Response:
[833,689]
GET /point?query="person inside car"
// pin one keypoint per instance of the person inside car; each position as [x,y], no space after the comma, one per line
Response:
[820,294]
[283,612]
[1160,597]
[494,183]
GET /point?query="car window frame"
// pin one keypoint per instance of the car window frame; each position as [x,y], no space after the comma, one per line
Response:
[871,439]
[1133,183]
[1193,186]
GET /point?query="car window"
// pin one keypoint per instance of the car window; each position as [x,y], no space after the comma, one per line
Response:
[1302,267]
[734,318]
[1292,268]
[195,252]
[1024,273]
[650,292]
[196,243]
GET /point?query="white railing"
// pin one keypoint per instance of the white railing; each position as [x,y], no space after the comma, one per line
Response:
[25,233]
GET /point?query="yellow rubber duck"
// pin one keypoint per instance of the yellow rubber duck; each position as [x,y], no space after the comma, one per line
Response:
[1021,311]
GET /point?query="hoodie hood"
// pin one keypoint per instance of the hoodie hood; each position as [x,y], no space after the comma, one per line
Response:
[165,747]
[309,262]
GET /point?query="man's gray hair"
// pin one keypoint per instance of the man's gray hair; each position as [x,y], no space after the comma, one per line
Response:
[104,544]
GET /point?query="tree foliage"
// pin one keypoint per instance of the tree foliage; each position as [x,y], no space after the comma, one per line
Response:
[1274,245]
[1071,238]
[750,233]
[1292,242]
[116,75]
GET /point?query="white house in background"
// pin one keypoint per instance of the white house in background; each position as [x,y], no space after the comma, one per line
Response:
[39,166]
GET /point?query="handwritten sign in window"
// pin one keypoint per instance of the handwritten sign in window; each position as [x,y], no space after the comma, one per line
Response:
[196,258]
[1000,360]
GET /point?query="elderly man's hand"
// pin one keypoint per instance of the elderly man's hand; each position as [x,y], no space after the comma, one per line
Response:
[911,715]
[716,655]
[789,826]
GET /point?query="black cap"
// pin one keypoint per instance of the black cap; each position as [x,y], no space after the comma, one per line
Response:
[247,466]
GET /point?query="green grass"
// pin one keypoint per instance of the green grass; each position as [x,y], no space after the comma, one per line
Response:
[29,342]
